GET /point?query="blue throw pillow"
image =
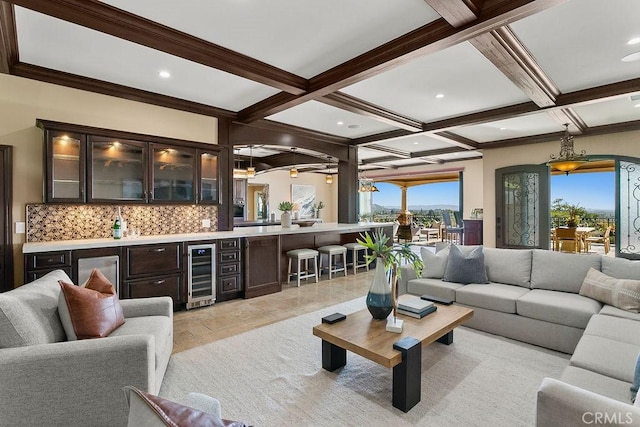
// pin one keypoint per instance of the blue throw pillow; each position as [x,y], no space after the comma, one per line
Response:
[636,380]
[465,269]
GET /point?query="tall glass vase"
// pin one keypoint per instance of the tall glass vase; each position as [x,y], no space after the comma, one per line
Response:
[379,300]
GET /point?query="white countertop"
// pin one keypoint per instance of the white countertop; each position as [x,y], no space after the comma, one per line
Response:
[65,245]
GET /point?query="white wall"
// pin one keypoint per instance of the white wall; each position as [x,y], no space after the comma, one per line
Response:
[280,190]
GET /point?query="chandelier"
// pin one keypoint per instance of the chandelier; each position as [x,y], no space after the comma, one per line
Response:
[251,171]
[567,160]
[293,172]
[367,186]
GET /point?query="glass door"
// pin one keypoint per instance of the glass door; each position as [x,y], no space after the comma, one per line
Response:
[173,174]
[117,170]
[208,177]
[627,232]
[65,167]
[522,207]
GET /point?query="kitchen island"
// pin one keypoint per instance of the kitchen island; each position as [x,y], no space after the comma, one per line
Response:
[251,261]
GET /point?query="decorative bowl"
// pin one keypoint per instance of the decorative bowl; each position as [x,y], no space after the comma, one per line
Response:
[304,223]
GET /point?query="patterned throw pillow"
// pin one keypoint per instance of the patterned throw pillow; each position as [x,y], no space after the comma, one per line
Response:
[621,293]
[465,269]
[91,310]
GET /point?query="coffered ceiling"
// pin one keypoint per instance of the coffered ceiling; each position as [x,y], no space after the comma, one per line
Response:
[409,81]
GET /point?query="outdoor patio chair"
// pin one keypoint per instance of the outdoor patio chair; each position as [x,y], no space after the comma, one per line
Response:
[600,239]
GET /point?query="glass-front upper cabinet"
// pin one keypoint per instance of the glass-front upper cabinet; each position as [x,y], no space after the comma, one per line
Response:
[117,170]
[208,174]
[173,173]
[65,167]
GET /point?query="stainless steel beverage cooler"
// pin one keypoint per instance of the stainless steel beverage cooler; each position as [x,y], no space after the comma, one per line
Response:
[201,275]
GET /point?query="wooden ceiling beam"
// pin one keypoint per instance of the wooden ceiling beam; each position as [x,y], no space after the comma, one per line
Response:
[430,38]
[457,12]
[457,140]
[99,86]
[8,39]
[110,20]
[503,48]
[568,116]
[358,106]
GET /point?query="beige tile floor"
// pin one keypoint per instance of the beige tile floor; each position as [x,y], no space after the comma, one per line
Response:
[200,326]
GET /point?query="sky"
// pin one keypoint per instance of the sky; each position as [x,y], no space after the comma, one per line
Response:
[594,190]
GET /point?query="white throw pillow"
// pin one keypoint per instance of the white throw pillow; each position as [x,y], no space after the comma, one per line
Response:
[434,264]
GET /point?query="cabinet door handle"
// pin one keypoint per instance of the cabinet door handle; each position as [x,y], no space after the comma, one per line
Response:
[158,250]
[158,282]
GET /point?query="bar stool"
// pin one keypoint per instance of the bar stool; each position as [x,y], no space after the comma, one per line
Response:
[303,255]
[330,251]
[355,248]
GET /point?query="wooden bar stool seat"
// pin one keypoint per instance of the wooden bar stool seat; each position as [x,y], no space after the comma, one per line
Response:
[331,251]
[303,255]
[355,248]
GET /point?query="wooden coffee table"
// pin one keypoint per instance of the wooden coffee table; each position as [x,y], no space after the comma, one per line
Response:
[361,334]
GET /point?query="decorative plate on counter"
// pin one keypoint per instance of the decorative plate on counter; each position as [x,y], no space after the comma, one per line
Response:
[304,223]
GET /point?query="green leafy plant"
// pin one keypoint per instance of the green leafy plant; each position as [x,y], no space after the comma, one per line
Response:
[285,206]
[391,256]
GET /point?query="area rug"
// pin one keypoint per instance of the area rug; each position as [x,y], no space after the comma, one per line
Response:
[273,376]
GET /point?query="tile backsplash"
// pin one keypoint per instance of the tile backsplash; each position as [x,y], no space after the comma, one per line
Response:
[47,223]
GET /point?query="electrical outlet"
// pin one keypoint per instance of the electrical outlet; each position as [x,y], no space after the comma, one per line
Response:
[20,227]
[206,223]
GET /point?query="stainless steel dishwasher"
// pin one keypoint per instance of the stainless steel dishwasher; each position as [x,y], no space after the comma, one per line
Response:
[108,265]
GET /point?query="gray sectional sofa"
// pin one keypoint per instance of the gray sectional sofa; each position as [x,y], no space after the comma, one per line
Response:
[47,380]
[533,296]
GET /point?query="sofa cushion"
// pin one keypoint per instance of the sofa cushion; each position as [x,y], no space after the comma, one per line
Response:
[434,264]
[621,268]
[597,383]
[563,308]
[620,293]
[508,266]
[434,287]
[91,310]
[492,296]
[610,310]
[465,268]
[615,328]
[557,271]
[606,356]
[29,314]
[158,326]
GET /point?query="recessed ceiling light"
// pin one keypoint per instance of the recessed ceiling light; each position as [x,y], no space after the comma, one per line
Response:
[637,105]
[631,57]
[415,143]
[164,74]
[440,95]
[633,41]
[503,128]
[340,123]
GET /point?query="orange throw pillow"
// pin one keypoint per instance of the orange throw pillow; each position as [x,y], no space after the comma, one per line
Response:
[91,310]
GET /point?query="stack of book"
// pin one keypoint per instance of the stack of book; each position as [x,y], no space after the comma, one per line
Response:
[410,305]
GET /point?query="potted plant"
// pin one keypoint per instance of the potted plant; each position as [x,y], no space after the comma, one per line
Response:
[285,218]
[317,207]
[572,211]
[382,296]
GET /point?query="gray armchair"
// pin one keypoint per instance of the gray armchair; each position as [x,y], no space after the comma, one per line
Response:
[47,380]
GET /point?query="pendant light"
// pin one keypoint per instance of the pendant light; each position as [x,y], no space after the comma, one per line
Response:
[251,171]
[328,179]
[293,172]
[567,161]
